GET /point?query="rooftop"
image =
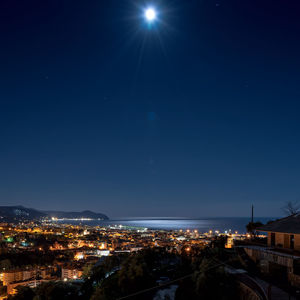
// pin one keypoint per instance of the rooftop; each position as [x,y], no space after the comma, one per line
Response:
[290,224]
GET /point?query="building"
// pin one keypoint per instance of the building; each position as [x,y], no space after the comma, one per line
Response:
[11,276]
[281,256]
[284,233]
[28,274]
[70,273]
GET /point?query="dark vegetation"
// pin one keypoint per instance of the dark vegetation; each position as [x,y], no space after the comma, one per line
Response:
[291,208]
[48,291]
[253,226]
[32,258]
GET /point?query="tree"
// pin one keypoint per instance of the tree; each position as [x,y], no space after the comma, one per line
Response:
[95,275]
[5,264]
[56,290]
[23,293]
[252,226]
[87,271]
[108,290]
[3,289]
[291,208]
[212,282]
[219,241]
[136,272]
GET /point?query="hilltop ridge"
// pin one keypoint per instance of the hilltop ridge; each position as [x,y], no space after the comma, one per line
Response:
[20,213]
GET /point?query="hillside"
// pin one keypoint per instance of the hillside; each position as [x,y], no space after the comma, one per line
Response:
[21,213]
[76,215]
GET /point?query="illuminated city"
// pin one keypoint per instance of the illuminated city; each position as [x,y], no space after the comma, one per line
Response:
[62,252]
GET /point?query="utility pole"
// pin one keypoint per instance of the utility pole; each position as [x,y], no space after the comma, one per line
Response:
[252,210]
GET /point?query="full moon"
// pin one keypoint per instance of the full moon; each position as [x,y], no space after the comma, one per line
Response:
[150,14]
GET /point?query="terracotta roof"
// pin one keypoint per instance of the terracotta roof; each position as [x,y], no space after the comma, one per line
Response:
[290,224]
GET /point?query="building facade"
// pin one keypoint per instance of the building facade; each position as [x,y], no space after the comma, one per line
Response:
[281,257]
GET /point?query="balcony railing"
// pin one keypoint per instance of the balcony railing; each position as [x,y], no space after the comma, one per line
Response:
[271,255]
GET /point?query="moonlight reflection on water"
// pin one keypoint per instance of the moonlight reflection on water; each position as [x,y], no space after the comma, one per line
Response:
[202,225]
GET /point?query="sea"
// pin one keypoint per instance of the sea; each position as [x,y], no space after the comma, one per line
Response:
[203,225]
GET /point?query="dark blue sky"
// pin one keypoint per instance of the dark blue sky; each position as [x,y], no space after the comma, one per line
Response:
[196,116]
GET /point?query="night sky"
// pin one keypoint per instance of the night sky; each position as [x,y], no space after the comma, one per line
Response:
[195,115]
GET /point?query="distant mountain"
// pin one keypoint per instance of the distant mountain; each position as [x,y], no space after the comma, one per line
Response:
[87,214]
[21,213]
